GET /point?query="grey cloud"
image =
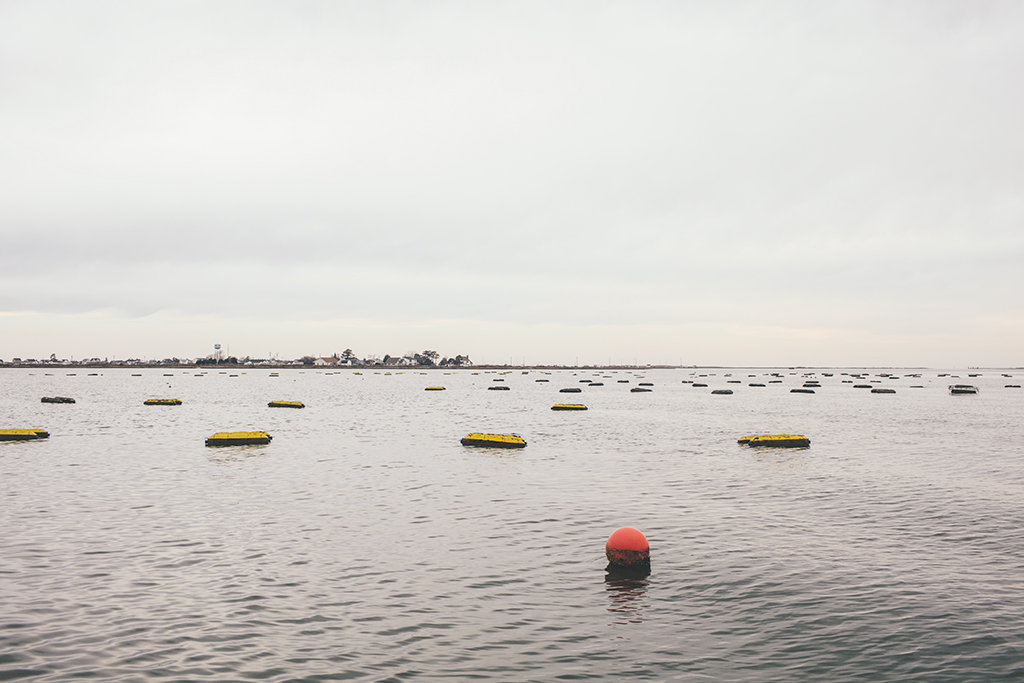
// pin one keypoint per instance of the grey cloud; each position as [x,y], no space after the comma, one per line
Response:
[599,163]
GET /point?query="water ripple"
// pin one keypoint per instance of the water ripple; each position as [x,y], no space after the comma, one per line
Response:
[366,543]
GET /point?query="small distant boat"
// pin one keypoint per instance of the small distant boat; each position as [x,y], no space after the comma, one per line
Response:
[956,389]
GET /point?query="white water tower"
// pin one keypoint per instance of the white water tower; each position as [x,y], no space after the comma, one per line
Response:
[217,355]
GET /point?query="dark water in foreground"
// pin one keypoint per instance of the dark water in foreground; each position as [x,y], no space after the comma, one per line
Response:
[366,543]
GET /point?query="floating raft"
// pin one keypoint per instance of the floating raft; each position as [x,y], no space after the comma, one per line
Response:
[883,391]
[571,390]
[776,440]
[286,404]
[433,389]
[239,439]
[494,440]
[568,406]
[57,399]
[498,388]
[23,434]
[162,402]
[722,391]
[639,390]
[801,391]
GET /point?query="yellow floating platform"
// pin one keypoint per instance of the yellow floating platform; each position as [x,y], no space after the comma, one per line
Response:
[568,406]
[433,389]
[23,434]
[162,402]
[57,399]
[494,440]
[776,440]
[239,439]
[286,404]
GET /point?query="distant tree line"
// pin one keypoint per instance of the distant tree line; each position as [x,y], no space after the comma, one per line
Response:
[230,360]
[426,358]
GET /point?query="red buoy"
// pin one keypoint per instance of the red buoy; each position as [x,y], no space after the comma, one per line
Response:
[628,548]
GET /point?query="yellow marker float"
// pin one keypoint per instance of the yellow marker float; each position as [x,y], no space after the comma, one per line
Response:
[162,402]
[494,440]
[776,440]
[286,404]
[434,388]
[23,434]
[239,439]
[568,406]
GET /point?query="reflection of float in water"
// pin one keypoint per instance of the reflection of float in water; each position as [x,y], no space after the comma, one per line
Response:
[627,593]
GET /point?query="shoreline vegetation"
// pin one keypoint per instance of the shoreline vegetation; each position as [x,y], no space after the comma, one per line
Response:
[284,365]
[291,365]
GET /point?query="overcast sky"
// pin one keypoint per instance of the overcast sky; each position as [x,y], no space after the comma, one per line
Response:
[697,182]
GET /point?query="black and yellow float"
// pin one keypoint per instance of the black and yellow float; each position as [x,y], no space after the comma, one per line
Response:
[162,402]
[23,434]
[57,399]
[239,439]
[568,406]
[433,389]
[286,404]
[494,440]
[775,440]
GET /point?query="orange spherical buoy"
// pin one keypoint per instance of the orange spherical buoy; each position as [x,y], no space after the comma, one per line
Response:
[627,548]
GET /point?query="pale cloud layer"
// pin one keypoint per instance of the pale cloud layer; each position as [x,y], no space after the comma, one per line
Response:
[708,182]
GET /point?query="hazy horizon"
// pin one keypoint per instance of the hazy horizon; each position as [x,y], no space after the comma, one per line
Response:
[733,184]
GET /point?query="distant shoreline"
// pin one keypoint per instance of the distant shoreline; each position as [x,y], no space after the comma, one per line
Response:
[289,366]
[448,368]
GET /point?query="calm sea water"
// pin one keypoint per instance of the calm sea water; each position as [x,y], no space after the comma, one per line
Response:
[366,543]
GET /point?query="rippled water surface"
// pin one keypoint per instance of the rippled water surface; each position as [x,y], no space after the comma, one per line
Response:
[366,543]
